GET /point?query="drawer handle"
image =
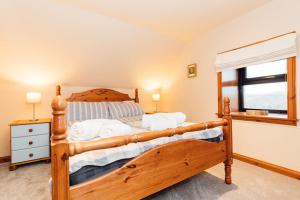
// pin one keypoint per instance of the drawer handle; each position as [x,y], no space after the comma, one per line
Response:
[30,142]
[30,155]
[30,130]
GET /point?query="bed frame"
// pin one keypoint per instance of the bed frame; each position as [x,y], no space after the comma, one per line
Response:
[146,174]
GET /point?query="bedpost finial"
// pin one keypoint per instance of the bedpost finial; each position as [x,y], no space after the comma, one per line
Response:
[226,106]
[58,90]
[59,122]
[136,98]
[58,103]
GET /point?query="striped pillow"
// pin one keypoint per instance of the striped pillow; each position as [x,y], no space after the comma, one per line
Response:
[79,111]
[124,109]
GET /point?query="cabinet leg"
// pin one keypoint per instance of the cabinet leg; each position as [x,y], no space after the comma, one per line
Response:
[12,167]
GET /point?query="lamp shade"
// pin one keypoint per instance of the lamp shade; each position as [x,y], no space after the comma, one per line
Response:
[33,97]
[156,97]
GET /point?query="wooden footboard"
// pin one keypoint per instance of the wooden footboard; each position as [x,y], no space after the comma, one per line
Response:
[148,173]
[153,171]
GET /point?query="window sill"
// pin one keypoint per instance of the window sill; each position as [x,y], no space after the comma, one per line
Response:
[271,118]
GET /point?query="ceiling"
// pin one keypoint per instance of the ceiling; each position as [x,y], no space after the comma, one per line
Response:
[179,19]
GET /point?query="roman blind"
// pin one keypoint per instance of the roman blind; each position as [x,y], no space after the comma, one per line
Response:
[277,48]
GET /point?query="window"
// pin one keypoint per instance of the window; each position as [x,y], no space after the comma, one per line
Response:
[269,86]
[263,87]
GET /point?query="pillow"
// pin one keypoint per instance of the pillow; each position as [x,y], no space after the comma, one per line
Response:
[124,109]
[79,111]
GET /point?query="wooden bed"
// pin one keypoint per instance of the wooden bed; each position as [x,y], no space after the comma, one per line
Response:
[146,174]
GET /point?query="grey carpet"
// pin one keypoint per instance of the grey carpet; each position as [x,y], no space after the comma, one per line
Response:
[30,182]
[202,186]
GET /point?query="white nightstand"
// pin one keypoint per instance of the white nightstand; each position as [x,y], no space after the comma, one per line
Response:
[29,141]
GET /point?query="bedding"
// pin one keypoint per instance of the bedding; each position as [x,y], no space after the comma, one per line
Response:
[93,120]
[124,109]
[149,120]
[161,121]
[107,156]
[79,111]
[90,172]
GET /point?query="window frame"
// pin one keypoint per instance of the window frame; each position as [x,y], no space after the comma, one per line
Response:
[291,115]
[243,80]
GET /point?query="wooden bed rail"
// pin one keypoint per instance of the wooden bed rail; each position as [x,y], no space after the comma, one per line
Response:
[81,147]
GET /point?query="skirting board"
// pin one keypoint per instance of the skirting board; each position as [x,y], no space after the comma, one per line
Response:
[4,159]
[268,166]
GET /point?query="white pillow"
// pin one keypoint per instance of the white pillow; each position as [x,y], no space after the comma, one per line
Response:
[79,111]
[124,109]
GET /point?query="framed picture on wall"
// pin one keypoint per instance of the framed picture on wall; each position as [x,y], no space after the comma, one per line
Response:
[192,70]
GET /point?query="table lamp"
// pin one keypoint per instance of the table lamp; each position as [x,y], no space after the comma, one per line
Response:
[156,99]
[33,98]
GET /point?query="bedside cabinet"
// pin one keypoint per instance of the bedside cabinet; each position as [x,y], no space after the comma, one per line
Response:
[30,141]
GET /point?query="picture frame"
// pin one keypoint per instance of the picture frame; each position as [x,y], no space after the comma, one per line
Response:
[192,70]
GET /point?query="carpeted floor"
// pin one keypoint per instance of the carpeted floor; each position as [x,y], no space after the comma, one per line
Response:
[249,182]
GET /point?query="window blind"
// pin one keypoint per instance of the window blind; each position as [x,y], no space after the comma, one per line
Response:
[270,50]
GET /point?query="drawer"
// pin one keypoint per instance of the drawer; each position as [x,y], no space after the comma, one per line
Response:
[29,154]
[29,142]
[29,130]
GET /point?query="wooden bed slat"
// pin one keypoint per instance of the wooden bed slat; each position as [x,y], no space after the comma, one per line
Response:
[152,171]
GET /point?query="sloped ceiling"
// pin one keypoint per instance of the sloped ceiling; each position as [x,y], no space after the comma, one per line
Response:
[102,43]
[180,19]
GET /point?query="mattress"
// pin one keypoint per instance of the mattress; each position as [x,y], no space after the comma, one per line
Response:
[90,172]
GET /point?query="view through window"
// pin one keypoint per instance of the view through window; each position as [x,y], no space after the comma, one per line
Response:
[264,87]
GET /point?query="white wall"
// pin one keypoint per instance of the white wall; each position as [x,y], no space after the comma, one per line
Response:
[45,42]
[278,144]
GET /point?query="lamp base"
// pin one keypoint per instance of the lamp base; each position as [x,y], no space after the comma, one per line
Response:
[33,114]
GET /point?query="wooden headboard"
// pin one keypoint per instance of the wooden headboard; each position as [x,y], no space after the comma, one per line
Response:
[101,94]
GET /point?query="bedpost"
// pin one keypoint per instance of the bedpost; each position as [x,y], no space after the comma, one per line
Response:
[58,90]
[136,95]
[59,151]
[227,130]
